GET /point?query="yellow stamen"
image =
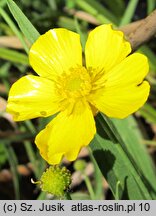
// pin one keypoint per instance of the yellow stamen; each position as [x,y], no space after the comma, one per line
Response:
[74,83]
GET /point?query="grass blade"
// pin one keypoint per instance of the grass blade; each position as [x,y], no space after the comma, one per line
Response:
[129,13]
[150,6]
[14,28]
[13,56]
[25,25]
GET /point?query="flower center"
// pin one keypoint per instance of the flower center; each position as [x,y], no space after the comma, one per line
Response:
[74,83]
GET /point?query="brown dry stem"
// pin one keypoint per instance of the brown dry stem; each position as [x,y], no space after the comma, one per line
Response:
[141,31]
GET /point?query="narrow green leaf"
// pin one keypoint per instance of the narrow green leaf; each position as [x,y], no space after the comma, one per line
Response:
[150,6]
[14,28]
[2,3]
[14,56]
[98,188]
[25,25]
[129,12]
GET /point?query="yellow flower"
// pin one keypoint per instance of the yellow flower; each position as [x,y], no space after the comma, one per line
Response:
[110,82]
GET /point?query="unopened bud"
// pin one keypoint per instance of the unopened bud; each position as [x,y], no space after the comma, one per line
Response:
[56,180]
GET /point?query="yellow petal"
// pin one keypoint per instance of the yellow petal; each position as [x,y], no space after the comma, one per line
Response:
[123,92]
[67,134]
[132,70]
[31,97]
[55,52]
[105,48]
[121,102]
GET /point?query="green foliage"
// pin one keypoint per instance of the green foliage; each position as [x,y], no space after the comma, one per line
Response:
[26,27]
[13,56]
[115,148]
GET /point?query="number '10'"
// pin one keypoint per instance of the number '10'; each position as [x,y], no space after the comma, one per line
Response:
[144,206]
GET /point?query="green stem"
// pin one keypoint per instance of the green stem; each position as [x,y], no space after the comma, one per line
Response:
[30,126]
[14,28]
[117,195]
[31,156]
[99,192]
[30,153]
[41,164]
[13,165]
[89,186]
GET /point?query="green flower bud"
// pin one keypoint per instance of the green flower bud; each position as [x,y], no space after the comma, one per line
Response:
[56,180]
[80,165]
